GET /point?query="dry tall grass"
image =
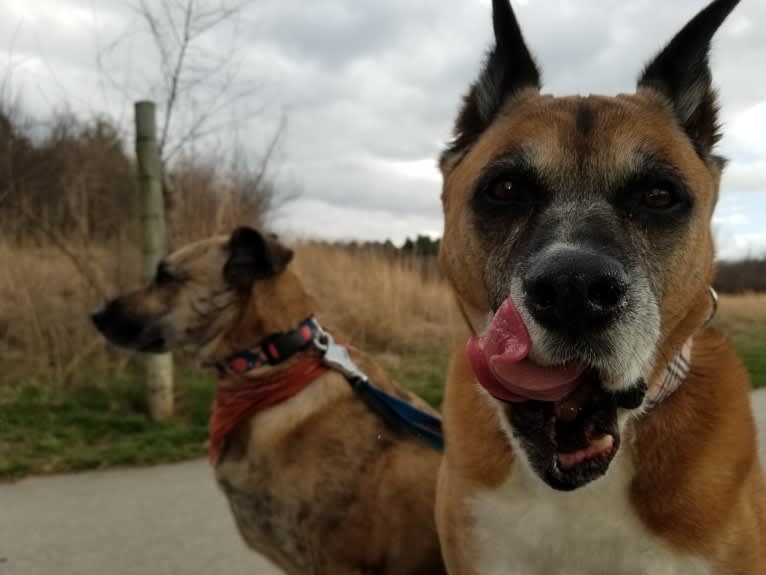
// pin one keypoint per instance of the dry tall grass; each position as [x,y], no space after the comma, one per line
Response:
[386,303]
[45,301]
[743,315]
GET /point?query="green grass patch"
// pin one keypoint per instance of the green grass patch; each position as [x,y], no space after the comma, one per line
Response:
[103,421]
[45,428]
[752,350]
[423,373]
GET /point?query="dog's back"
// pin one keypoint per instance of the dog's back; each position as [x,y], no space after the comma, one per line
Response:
[322,484]
[316,480]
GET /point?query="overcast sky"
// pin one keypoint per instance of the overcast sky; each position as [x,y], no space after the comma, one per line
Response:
[369,90]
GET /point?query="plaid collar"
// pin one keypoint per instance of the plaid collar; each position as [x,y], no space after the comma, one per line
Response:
[678,368]
[673,376]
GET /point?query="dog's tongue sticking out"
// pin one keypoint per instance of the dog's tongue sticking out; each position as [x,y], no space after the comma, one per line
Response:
[499,361]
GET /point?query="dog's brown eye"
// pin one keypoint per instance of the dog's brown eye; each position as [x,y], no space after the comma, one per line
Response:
[512,192]
[658,199]
[502,191]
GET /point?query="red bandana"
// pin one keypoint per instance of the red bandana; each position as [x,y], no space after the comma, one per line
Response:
[247,396]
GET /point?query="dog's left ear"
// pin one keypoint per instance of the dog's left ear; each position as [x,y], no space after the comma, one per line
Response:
[253,256]
[681,73]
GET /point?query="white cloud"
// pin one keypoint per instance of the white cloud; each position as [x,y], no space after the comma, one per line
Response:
[732,220]
[370,89]
[310,218]
[744,126]
[742,246]
[745,176]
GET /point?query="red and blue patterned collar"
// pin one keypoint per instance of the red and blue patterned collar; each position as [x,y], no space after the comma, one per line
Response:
[272,350]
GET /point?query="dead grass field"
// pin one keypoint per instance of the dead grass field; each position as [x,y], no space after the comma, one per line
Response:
[393,305]
[45,302]
[383,303]
[69,401]
[743,319]
[743,315]
[390,305]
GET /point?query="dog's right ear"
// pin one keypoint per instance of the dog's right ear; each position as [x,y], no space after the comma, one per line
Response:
[509,68]
[253,256]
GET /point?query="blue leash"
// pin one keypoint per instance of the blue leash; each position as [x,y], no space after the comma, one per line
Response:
[397,412]
[401,414]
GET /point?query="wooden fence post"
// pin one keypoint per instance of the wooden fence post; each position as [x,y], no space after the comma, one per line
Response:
[159,368]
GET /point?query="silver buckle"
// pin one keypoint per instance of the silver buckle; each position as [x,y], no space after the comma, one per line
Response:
[336,356]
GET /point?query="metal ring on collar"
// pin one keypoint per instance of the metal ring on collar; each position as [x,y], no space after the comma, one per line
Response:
[714,310]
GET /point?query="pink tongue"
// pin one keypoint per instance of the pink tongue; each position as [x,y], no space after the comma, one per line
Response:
[499,362]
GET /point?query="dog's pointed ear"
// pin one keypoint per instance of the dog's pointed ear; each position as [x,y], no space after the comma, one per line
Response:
[681,73]
[509,68]
[253,256]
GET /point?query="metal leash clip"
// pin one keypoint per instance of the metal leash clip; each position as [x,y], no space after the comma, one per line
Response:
[394,410]
[336,356]
[714,308]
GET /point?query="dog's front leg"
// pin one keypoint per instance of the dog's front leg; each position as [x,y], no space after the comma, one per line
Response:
[454,525]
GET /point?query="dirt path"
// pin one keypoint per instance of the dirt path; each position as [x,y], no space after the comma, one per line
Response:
[165,520]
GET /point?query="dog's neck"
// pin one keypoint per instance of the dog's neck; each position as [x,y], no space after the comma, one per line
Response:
[274,305]
[678,334]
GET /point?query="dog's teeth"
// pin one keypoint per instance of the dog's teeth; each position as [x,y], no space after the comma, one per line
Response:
[602,443]
[598,446]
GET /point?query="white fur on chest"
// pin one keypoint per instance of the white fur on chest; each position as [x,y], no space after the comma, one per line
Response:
[526,528]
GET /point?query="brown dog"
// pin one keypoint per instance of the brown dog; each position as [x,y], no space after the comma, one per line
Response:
[317,482]
[594,425]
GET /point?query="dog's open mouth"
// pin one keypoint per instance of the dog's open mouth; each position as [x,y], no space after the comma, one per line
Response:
[572,441]
[564,417]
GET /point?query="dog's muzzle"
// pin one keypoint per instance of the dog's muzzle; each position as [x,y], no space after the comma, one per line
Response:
[123,329]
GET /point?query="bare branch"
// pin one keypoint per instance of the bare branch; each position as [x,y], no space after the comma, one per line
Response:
[168,14]
[175,75]
[201,127]
[156,33]
[175,27]
[275,139]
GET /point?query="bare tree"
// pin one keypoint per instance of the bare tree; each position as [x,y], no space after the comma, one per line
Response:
[193,76]
[9,108]
[197,79]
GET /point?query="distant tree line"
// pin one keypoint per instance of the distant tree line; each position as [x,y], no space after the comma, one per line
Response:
[421,246]
[748,275]
[733,277]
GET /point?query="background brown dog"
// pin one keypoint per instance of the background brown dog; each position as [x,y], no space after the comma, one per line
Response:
[591,216]
[318,483]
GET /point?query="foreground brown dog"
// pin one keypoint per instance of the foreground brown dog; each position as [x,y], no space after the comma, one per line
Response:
[577,237]
[318,483]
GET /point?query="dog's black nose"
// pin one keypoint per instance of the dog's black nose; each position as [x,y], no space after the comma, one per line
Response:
[102,317]
[575,290]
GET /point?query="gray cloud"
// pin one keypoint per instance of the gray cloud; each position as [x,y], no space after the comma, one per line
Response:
[370,89]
